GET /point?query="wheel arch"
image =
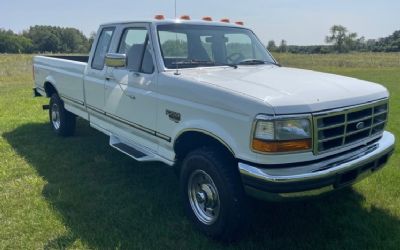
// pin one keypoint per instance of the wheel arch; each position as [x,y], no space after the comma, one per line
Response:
[191,139]
[49,88]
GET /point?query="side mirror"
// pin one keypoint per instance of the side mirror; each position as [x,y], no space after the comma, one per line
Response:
[115,60]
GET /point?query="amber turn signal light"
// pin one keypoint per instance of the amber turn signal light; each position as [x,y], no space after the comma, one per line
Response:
[281,146]
[185,17]
[207,18]
[159,17]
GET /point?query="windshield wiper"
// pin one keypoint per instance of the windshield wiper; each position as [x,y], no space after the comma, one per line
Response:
[254,62]
[193,63]
[251,62]
[257,62]
[235,66]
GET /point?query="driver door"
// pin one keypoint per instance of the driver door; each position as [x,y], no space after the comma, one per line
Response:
[129,96]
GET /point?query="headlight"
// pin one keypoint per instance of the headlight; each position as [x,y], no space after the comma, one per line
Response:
[282,135]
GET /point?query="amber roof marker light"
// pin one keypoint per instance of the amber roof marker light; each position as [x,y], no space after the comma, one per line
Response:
[239,23]
[185,17]
[207,18]
[225,20]
[159,17]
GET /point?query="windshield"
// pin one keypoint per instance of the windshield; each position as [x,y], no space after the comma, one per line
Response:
[188,46]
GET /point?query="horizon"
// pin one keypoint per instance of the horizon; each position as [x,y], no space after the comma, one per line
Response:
[308,24]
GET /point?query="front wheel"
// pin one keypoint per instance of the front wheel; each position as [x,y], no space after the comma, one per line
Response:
[61,120]
[212,193]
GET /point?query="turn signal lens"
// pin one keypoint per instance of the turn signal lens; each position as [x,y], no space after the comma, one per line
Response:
[185,17]
[281,146]
[159,17]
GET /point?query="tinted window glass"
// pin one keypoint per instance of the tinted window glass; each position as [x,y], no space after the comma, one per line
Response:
[135,44]
[131,37]
[237,44]
[174,45]
[102,48]
[187,46]
[147,64]
[207,46]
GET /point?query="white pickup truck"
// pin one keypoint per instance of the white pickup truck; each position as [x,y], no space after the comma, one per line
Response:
[207,98]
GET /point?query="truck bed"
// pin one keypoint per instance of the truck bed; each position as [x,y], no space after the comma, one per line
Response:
[65,73]
[77,58]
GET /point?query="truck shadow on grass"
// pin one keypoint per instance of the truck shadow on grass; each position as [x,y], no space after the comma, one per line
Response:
[107,200]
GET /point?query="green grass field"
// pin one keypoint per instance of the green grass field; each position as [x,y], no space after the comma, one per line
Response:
[78,193]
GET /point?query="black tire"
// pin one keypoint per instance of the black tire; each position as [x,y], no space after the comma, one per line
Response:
[230,221]
[62,121]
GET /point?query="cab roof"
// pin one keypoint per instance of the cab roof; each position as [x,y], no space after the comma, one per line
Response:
[176,21]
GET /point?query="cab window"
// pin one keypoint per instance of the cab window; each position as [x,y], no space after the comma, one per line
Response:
[135,44]
[103,45]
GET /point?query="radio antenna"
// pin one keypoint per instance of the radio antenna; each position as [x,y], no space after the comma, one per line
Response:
[175,9]
[176,47]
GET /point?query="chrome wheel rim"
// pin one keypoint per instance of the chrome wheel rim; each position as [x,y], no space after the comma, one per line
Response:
[203,197]
[55,116]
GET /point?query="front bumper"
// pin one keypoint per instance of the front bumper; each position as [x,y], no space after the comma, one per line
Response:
[315,178]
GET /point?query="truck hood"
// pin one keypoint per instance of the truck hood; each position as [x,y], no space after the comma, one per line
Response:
[290,90]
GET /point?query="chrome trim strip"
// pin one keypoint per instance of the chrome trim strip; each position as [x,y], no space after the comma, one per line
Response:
[361,119]
[384,146]
[332,138]
[164,137]
[131,124]
[330,127]
[72,100]
[360,106]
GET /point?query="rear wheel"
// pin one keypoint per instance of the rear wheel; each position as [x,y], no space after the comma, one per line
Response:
[212,193]
[62,121]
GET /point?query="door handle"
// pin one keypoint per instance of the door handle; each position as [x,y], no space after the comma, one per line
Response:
[109,78]
[132,97]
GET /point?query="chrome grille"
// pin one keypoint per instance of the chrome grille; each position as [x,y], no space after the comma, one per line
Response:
[341,128]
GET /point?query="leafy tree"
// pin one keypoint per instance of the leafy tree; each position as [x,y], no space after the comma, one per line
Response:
[13,43]
[41,38]
[272,46]
[342,40]
[57,39]
[175,48]
[283,46]
[311,49]
[389,44]
[91,38]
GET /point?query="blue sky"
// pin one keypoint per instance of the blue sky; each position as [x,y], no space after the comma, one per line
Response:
[299,22]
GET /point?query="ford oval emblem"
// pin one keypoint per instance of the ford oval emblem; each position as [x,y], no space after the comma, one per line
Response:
[360,125]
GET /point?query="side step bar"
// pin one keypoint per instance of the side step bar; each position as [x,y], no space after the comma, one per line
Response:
[135,151]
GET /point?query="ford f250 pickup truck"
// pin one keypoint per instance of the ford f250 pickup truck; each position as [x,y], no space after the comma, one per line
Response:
[207,98]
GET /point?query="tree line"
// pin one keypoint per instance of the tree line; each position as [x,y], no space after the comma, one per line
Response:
[52,39]
[341,40]
[44,39]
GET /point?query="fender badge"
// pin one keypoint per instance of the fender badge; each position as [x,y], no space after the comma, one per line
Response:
[173,116]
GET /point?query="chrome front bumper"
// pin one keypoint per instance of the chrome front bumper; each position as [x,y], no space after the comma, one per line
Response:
[314,178]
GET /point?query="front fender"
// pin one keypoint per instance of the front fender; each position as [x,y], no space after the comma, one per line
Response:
[209,128]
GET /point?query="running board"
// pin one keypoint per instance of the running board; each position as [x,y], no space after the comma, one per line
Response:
[135,151]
